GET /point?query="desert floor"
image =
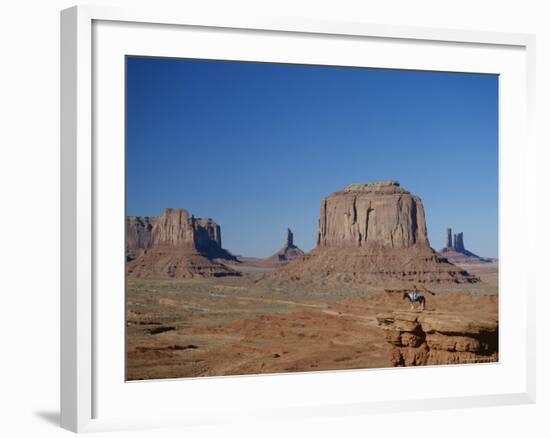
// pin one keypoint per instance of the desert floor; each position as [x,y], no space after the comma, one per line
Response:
[232,326]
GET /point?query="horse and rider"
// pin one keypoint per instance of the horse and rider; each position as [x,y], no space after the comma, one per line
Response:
[415,296]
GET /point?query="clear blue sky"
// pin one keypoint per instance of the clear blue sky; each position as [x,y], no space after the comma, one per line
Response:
[257,146]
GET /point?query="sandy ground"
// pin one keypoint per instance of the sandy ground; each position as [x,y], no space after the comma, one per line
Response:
[231,326]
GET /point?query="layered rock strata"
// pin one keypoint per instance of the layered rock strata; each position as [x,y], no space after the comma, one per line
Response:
[437,338]
[166,261]
[382,214]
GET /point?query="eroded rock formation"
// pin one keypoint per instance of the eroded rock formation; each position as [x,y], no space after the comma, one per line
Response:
[288,252]
[438,338]
[174,227]
[455,252]
[449,239]
[139,235]
[458,242]
[174,261]
[371,234]
[175,244]
[289,242]
[382,214]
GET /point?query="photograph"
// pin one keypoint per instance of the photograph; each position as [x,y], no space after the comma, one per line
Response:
[289,218]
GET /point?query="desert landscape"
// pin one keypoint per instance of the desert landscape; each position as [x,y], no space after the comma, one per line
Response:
[196,309]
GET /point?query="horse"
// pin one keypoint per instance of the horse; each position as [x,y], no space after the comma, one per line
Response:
[415,298]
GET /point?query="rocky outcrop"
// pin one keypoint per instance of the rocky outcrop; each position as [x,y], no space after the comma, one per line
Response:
[458,242]
[289,251]
[289,241]
[175,244]
[370,234]
[382,214]
[440,338]
[139,235]
[456,253]
[174,227]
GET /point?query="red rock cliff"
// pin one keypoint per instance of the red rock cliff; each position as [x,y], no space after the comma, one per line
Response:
[175,227]
[377,213]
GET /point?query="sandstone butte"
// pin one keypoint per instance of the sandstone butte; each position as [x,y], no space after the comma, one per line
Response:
[175,244]
[370,234]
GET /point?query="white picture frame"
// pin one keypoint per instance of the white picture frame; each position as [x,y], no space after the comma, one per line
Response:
[84,318]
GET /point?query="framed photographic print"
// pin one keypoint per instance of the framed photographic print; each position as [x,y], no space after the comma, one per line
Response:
[258,208]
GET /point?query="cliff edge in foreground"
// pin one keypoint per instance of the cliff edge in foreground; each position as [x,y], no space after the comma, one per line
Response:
[440,338]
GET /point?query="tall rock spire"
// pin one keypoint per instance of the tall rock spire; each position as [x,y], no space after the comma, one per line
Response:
[455,251]
[289,243]
[449,239]
[459,243]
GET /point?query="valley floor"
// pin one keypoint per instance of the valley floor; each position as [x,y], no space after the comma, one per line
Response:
[232,326]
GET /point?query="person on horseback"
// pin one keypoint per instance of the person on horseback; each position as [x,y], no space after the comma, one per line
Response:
[415,296]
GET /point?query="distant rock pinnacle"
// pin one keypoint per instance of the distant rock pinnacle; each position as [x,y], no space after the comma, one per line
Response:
[289,243]
[449,240]
[454,250]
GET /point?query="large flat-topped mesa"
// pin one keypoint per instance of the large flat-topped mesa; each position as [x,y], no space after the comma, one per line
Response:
[381,214]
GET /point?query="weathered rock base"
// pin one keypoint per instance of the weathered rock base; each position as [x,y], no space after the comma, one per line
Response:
[165,261]
[355,268]
[436,338]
